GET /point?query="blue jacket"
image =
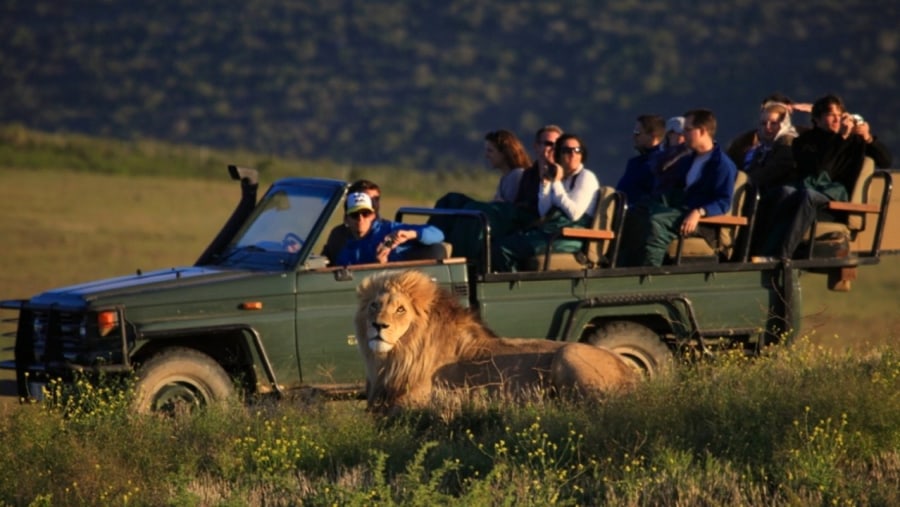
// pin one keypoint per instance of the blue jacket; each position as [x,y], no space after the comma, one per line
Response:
[638,178]
[362,251]
[710,186]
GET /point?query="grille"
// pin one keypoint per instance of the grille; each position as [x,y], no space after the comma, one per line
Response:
[56,335]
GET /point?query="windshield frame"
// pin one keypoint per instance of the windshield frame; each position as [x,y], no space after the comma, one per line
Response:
[301,206]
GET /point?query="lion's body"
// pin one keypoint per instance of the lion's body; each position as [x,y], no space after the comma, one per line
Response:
[415,337]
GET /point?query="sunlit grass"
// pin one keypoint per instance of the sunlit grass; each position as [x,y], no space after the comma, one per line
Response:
[799,426]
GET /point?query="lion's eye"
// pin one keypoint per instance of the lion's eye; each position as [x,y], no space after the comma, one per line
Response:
[401,309]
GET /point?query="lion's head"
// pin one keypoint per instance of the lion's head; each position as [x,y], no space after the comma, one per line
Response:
[391,303]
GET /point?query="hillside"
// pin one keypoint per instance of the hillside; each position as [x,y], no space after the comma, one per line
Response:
[417,84]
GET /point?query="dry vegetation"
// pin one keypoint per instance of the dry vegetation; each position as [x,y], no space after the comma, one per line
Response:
[808,426]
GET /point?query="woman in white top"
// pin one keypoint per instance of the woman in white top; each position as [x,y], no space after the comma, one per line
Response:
[566,198]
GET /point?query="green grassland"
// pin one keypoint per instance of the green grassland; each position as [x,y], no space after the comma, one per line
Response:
[816,424]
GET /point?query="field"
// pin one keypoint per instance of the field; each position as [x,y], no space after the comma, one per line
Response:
[809,426]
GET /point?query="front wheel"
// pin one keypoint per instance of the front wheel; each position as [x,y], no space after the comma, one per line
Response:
[180,380]
[637,344]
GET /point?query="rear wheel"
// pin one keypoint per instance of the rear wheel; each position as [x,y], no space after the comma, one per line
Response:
[180,380]
[637,344]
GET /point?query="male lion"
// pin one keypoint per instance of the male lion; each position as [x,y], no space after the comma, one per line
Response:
[414,336]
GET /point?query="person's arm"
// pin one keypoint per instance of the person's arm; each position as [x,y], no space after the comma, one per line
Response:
[545,202]
[879,153]
[401,233]
[718,201]
[575,202]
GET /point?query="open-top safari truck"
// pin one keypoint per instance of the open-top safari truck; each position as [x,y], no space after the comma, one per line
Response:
[251,316]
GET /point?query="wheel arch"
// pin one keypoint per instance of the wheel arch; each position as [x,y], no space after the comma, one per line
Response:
[236,349]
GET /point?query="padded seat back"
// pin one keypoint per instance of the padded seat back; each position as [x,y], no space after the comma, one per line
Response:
[607,216]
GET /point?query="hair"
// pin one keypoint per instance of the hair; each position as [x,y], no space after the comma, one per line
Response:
[653,124]
[776,97]
[509,145]
[547,128]
[557,150]
[776,107]
[365,186]
[823,104]
[703,118]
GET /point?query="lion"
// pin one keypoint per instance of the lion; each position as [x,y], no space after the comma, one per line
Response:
[415,336]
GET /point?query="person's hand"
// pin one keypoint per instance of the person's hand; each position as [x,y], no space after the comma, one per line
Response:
[847,125]
[382,253]
[804,107]
[690,222]
[553,172]
[862,129]
[391,241]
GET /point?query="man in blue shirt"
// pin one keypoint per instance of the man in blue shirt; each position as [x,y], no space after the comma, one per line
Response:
[637,180]
[378,240]
[703,186]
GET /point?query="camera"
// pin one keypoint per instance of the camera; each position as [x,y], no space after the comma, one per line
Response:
[857,119]
[550,171]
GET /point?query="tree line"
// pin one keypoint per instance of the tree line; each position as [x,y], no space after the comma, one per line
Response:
[417,84]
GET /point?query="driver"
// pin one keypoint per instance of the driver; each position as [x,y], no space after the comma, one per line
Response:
[373,240]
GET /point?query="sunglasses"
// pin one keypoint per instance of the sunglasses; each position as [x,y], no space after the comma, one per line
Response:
[362,213]
[570,149]
[549,144]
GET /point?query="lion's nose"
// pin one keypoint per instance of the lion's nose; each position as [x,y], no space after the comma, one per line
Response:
[379,325]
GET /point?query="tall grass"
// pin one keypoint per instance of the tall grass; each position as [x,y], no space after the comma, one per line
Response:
[771,431]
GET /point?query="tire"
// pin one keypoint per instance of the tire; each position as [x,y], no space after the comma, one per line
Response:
[180,380]
[637,344]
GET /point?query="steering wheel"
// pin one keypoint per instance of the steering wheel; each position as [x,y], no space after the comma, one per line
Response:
[292,242]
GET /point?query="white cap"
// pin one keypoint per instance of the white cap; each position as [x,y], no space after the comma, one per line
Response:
[675,124]
[359,201]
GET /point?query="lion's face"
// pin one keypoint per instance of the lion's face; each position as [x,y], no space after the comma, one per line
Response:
[389,315]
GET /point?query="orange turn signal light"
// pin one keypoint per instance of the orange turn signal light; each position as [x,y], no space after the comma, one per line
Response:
[251,305]
[107,321]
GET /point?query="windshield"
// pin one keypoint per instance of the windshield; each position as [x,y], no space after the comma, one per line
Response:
[283,222]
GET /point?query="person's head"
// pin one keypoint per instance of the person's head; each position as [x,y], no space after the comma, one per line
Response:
[544,142]
[371,189]
[777,97]
[827,113]
[648,132]
[774,121]
[699,130]
[503,150]
[359,213]
[674,131]
[570,152]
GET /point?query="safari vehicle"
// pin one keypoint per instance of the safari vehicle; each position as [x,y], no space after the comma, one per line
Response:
[252,316]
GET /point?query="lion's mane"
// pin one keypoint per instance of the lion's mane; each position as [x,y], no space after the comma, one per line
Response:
[445,343]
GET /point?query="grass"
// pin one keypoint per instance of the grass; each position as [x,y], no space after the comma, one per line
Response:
[813,425]
[770,431]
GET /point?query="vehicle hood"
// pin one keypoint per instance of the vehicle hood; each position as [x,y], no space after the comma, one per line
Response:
[122,287]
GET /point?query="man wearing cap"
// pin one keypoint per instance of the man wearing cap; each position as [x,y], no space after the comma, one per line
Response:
[340,234]
[377,240]
[645,183]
